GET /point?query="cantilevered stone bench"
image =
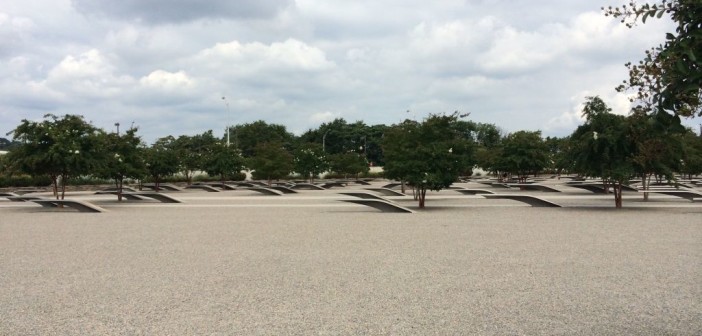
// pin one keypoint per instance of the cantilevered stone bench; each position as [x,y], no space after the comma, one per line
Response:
[23,198]
[596,188]
[142,195]
[78,205]
[164,186]
[305,186]
[689,194]
[528,199]
[533,187]
[381,205]
[266,191]
[473,191]
[221,185]
[8,194]
[116,189]
[329,185]
[202,187]
[283,189]
[392,185]
[386,191]
[364,195]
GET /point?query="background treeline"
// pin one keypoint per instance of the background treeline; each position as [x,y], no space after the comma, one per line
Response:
[428,155]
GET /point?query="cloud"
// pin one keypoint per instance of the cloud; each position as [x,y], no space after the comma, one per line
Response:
[167,81]
[14,32]
[90,74]
[179,11]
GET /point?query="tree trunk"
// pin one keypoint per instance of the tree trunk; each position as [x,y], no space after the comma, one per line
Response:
[402,186]
[422,194]
[617,187]
[54,186]
[120,184]
[646,185]
[64,179]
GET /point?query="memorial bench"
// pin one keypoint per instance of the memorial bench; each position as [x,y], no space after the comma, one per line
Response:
[533,187]
[688,194]
[473,191]
[143,195]
[78,205]
[528,199]
[379,204]
[204,187]
[386,191]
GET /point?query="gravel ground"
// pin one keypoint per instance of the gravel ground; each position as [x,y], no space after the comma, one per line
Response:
[301,265]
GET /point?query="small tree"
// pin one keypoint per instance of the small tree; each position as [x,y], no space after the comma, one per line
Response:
[430,155]
[349,163]
[59,147]
[310,161]
[224,161]
[162,160]
[671,74]
[602,147]
[523,153]
[270,161]
[193,152]
[124,158]
[691,163]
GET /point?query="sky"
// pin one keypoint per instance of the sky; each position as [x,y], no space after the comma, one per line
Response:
[182,67]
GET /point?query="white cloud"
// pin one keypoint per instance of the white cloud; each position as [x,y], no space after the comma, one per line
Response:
[519,64]
[89,74]
[167,81]
[322,117]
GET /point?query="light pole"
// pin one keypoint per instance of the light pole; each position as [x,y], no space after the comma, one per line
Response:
[117,124]
[228,113]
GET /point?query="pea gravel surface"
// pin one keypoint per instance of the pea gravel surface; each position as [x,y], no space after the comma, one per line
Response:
[306,265]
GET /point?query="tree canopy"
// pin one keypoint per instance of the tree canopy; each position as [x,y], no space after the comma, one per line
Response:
[59,147]
[430,155]
[670,75]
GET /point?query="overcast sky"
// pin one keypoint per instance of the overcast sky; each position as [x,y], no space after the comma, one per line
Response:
[164,65]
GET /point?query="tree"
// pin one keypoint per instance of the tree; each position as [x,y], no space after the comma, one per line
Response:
[58,147]
[558,149]
[248,136]
[691,163]
[602,147]
[349,163]
[523,153]
[310,161]
[224,161]
[193,151]
[658,150]
[162,159]
[670,74]
[398,148]
[270,161]
[7,145]
[430,155]
[125,158]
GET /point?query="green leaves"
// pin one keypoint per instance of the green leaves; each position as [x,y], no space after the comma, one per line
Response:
[430,155]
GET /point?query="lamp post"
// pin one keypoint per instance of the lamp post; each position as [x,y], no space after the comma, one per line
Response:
[117,124]
[228,113]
